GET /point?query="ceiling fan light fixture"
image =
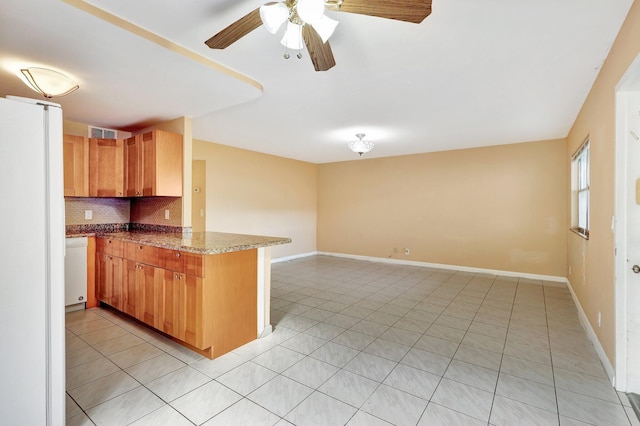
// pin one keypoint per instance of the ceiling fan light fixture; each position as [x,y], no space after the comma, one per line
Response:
[325,27]
[310,11]
[48,83]
[360,146]
[273,15]
[292,38]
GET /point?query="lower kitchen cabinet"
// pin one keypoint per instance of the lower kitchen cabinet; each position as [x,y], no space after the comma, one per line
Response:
[130,288]
[138,278]
[192,302]
[207,302]
[168,307]
[147,301]
[109,279]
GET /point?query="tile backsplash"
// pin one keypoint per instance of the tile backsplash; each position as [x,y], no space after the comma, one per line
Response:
[103,210]
[151,211]
[115,211]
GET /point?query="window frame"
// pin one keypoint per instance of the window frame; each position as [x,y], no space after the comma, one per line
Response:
[581,189]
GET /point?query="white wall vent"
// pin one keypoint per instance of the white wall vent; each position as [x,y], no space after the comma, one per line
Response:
[99,132]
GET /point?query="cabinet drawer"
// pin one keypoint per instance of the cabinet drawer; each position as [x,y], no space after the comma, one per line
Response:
[110,246]
[193,264]
[172,260]
[183,262]
[142,253]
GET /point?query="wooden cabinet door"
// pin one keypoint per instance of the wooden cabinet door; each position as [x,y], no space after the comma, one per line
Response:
[130,287]
[101,277]
[162,163]
[191,311]
[76,166]
[168,289]
[133,167]
[148,295]
[114,281]
[106,163]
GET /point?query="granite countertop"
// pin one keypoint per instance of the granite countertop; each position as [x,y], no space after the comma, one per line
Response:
[199,242]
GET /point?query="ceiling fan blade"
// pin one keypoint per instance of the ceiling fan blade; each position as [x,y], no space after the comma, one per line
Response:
[235,31]
[320,53]
[402,10]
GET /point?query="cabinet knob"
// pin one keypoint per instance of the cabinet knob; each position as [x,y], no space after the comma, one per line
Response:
[140,247]
[177,254]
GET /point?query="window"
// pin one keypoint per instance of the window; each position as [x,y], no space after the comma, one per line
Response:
[580,191]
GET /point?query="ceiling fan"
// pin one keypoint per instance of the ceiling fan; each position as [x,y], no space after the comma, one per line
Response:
[308,25]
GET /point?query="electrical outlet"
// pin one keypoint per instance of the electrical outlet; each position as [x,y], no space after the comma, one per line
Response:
[395,249]
[88,214]
[599,319]
[201,212]
[569,269]
[407,251]
[166,214]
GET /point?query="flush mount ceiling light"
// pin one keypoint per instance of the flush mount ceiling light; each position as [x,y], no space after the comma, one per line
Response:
[308,25]
[48,83]
[360,146]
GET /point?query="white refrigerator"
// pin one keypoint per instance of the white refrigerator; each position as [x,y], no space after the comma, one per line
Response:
[32,244]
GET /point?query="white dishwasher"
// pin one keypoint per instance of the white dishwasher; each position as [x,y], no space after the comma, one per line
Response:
[75,274]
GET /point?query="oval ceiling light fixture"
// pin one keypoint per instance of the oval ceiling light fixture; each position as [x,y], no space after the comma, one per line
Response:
[360,146]
[48,83]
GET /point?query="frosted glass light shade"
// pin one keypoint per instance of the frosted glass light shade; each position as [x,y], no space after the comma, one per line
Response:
[273,15]
[310,11]
[293,37]
[360,146]
[48,83]
[325,27]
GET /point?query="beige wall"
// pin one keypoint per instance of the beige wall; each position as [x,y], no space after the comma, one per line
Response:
[501,208]
[592,261]
[199,199]
[253,193]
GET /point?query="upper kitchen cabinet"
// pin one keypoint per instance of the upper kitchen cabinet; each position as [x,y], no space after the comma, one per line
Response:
[133,166]
[76,166]
[106,168]
[153,163]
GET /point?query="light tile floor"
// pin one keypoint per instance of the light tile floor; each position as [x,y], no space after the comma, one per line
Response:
[357,343]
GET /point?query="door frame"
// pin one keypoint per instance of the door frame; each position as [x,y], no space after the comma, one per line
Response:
[623,88]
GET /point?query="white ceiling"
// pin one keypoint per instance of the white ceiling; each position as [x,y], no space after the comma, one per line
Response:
[474,73]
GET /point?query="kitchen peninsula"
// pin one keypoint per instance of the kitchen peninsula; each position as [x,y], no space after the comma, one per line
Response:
[209,291]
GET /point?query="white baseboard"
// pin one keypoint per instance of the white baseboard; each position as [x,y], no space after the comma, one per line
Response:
[293,257]
[266,332]
[608,367]
[552,278]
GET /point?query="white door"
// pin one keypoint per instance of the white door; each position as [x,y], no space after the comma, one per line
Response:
[628,231]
